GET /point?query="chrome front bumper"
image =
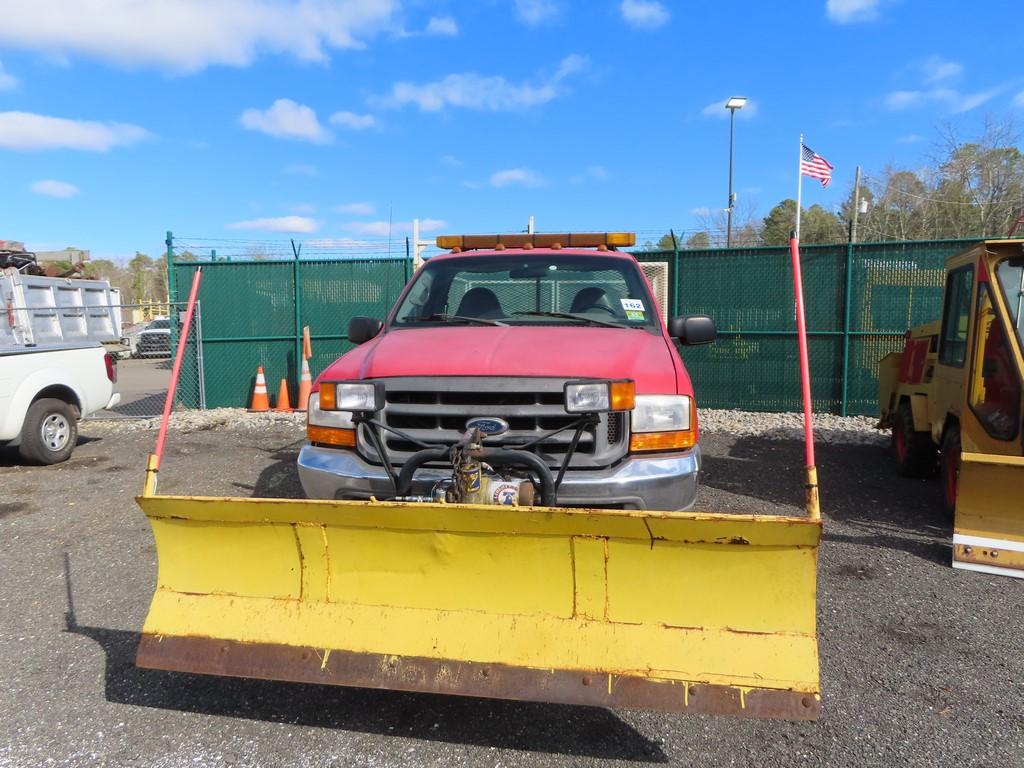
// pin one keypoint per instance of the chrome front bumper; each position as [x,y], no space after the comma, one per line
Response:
[665,483]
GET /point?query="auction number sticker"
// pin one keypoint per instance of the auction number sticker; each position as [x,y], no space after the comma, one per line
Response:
[634,309]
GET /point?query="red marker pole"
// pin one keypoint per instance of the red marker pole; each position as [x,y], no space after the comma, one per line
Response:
[155,458]
[813,508]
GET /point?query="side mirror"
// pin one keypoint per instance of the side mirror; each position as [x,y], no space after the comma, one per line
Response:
[692,329]
[362,329]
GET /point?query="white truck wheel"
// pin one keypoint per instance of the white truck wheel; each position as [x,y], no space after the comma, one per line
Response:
[49,433]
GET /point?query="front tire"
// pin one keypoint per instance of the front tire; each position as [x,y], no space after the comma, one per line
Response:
[914,451]
[49,433]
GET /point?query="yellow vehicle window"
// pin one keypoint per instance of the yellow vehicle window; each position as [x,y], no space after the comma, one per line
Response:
[995,394]
[953,344]
[1011,279]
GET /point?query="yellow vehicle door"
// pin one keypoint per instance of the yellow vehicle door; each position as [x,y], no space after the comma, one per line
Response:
[989,526]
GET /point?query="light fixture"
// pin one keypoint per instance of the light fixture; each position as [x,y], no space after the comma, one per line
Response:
[736,102]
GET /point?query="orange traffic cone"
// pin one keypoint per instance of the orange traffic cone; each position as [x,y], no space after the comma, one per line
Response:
[283,404]
[305,385]
[260,401]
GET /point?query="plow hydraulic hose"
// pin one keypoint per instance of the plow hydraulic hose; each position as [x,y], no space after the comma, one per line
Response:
[813,509]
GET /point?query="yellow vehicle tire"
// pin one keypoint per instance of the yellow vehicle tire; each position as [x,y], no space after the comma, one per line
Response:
[949,467]
[914,451]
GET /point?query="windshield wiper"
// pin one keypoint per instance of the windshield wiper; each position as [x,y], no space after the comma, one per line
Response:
[580,318]
[445,318]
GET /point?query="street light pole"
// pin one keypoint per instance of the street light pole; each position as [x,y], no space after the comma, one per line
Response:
[736,102]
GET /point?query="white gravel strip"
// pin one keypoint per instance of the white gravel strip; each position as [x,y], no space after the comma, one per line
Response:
[828,428]
[781,426]
[197,421]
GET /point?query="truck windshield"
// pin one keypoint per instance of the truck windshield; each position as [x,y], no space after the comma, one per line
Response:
[1010,274]
[546,289]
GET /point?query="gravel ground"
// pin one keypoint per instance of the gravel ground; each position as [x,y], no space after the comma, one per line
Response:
[921,665]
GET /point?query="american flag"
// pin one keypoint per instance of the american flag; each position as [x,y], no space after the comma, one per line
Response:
[814,165]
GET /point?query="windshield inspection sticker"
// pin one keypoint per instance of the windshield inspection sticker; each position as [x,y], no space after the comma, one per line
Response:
[634,309]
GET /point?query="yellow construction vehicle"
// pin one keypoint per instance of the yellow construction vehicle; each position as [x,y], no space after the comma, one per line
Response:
[954,398]
[667,610]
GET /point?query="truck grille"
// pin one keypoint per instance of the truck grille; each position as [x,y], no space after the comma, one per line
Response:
[435,410]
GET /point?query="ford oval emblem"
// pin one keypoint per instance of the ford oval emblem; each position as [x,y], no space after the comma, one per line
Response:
[488,425]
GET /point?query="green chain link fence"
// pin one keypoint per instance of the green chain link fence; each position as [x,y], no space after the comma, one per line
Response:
[859,301]
[253,313]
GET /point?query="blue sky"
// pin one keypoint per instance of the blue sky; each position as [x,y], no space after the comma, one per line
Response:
[266,119]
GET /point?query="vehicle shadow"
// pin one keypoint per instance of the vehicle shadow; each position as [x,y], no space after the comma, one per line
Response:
[858,485]
[279,480]
[575,731]
[9,456]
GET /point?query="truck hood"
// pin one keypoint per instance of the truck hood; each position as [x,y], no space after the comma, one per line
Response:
[585,352]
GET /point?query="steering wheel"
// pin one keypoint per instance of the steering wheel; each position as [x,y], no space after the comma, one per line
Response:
[602,307]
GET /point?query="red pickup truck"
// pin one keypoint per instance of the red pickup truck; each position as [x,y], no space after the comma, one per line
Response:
[516,369]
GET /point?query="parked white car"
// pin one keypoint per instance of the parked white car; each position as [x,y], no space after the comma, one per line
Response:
[45,390]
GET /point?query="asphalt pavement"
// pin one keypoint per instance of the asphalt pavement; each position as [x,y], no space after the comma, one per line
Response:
[921,665]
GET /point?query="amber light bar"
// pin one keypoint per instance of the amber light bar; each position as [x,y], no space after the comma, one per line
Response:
[539,240]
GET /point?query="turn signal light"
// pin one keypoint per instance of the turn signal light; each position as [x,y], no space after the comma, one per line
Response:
[623,395]
[328,397]
[661,441]
[344,438]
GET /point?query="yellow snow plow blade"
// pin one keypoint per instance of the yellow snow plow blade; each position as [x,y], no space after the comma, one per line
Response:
[709,613]
[988,533]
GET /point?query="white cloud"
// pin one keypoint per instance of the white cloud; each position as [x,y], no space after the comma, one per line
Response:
[534,12]
[450,160]
[701,211]
[850,11]
[936,68]
[284,119]
[353,121]
[488,93]
[644,14]
[357,209]
[1018,101]
[592,173]
[189,35]
[442,26]
[302,224]
[518,176]
[384,228]
[54,188]
[950,99]
[28,131]
[301,169]
[910,138]
[717,109]
[304,208]
[8,82]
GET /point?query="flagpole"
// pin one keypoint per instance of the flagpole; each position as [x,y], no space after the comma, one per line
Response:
[799,183]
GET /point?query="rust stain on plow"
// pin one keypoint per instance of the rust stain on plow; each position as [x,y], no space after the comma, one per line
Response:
[410,673]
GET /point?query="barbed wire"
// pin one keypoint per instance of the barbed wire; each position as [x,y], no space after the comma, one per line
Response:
[939,200]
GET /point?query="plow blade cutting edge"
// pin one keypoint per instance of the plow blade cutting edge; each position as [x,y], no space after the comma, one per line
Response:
[988,533]
[707,613]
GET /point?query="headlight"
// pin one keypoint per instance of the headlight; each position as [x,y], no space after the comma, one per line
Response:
[599,396]
[321,418]
[663,423]
[661,413]
[329,427]
[362,396]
